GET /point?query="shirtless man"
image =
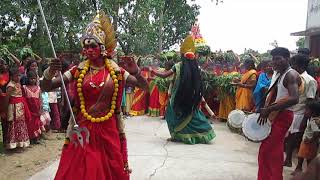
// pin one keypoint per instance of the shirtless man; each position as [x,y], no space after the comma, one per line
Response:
[270,157]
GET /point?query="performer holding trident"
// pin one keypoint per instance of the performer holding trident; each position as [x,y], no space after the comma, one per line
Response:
[100,148]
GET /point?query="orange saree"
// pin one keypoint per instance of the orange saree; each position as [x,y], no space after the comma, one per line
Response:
[140,99]
[244,96]
[154,104]
[226,105]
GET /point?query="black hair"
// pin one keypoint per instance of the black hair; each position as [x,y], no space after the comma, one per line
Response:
[31,74]
[13,71]
[304,51]
[280,51]
[29,64]
[302,61]
[44,67]
[312,70]
[314,106]
[249,62]
[190,90]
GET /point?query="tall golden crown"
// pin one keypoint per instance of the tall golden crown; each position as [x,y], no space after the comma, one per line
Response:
[188,45]
[101,30]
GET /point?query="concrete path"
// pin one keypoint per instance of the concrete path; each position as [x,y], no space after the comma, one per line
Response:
[228,157]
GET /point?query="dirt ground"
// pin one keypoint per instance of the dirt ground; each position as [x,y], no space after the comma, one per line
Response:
[21,165]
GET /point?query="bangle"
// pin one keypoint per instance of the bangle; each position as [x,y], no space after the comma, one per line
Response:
[47,75]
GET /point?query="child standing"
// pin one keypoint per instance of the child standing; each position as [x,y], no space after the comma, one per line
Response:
[32,94]
[45,111]
[309,145]
[18,113]
[54,110]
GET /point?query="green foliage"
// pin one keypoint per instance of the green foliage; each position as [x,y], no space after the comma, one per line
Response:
[223,57]
[224,85]
[25,52]
[4,54]
[203,50]
[221,83]
[315,63]
[137,23]
[169,56]
[300,42]
[163,84]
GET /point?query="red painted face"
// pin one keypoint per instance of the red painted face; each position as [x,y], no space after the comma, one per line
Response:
[91,49]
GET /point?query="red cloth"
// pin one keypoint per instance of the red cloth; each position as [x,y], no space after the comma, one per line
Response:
[16,100]
[34,123]
[270,157]
[55,116]
[102,158]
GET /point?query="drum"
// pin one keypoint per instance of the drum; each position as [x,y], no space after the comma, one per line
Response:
[253,131]
[235,120]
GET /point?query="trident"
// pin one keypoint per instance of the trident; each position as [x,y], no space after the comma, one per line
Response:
[76,132]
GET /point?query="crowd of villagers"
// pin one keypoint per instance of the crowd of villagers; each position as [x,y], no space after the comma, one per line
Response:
[28,113]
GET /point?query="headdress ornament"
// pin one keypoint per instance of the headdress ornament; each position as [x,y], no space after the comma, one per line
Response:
[188,48]
[101,30]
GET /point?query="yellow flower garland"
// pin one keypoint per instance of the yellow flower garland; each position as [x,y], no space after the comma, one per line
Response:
[82,101]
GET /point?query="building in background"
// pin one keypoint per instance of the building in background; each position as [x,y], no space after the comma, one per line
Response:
[312,32]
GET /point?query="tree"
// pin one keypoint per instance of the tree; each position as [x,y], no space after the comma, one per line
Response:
[300,43]
[140,27]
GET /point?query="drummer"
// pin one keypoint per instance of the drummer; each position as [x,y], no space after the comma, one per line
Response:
[300,64]
[270,157]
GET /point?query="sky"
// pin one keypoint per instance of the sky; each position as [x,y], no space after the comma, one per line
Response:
[240,24]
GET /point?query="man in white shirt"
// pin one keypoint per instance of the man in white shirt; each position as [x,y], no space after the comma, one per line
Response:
[299,63]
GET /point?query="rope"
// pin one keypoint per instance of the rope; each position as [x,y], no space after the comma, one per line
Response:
[55,56]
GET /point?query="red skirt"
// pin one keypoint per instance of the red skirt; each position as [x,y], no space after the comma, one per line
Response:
[34,123]
[100,159]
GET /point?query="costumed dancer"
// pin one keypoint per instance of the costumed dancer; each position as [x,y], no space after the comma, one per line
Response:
[18,113]
[32,94]
[283,95]
[100,82]
[186,122]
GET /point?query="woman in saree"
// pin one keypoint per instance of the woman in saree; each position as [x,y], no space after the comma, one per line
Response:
[164,93]
[263,83]
[102,151]
[154,102]
[140,99]
[227,103]
[244,95]
[4,80]
[186,122]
